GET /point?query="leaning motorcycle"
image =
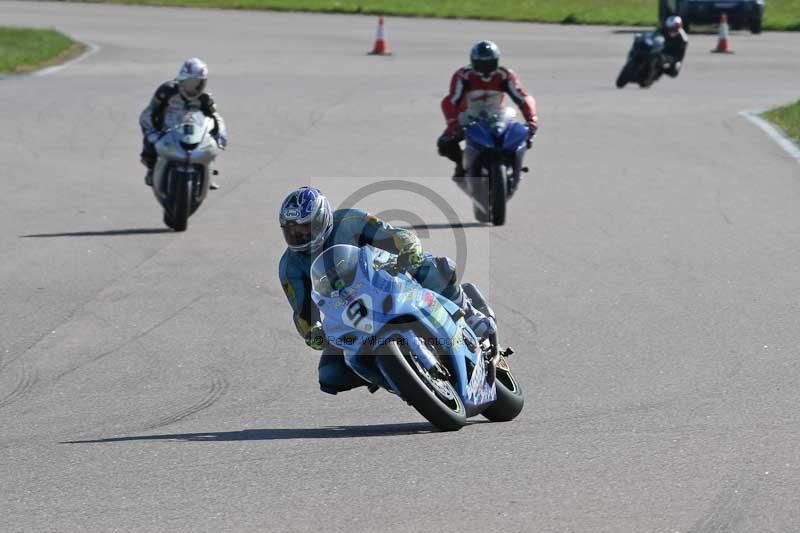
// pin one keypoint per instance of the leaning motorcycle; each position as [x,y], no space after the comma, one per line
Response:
[183,169]
[411,341]
[495,146]
[644,61]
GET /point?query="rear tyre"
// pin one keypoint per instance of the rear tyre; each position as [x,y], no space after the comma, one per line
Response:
[510,396]
[650,75]
[499,194]
[183,203]
[434,398]
[755,25]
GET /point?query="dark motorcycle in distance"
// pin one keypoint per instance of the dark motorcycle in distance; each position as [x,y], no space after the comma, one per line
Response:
[495,146]
[644,61]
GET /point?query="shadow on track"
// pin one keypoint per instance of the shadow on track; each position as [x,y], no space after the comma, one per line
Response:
[109,233]
[330,432]
[464,225]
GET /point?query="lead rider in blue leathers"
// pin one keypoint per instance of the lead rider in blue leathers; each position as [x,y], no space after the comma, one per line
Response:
[310,226]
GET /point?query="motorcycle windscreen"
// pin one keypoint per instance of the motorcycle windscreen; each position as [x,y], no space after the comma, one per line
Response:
[479,135]
[335,269]
[192,127]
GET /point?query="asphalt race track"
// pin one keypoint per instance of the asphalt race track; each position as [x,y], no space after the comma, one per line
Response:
[648,278]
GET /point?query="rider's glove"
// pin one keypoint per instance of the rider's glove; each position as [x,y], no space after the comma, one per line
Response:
[222,141]
[315,338]
[531,133]
[409,259]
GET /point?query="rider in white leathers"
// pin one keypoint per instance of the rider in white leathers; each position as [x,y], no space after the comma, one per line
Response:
[169,103]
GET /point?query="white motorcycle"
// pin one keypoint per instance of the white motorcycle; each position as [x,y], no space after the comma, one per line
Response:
[183,169]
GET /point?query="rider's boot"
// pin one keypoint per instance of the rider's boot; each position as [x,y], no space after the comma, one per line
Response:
[459,173]
[149,163]
[483,326]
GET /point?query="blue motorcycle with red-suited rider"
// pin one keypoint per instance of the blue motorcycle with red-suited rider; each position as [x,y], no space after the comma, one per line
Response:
[411,341]
[495,146]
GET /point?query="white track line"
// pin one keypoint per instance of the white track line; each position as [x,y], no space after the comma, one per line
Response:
[92,48]
[775,134]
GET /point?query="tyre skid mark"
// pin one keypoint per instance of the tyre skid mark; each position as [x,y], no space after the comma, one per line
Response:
[134,339]
[728,510]
[27,379]
[217,386]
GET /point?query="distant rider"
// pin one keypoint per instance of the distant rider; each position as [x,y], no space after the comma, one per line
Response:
[309,227]
[171,100]
[675,43]
[481,85]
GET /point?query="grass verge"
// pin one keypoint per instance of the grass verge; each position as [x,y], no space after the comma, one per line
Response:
[780,14]
[23,49]
[788,118]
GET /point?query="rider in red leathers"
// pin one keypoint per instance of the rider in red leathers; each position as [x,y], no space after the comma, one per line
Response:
[481,85]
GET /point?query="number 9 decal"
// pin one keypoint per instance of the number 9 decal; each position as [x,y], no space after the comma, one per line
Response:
[358,315]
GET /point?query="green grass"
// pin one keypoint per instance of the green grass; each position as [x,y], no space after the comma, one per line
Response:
[788,118]
[780,14]
[23,49]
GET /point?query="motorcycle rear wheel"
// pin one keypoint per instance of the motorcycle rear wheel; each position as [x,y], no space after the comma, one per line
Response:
[510,396]
[434,398]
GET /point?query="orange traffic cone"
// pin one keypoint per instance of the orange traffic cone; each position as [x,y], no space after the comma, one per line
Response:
[381,48]
[722,44]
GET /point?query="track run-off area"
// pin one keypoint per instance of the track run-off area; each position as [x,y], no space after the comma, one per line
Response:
[647,277]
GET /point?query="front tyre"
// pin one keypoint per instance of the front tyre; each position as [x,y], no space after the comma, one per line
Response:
[626,74]
[498,184]
[433,397]
[510,396]
[183,203]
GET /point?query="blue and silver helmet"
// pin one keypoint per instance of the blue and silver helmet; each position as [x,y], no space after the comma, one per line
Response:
[306,219]
[485,58]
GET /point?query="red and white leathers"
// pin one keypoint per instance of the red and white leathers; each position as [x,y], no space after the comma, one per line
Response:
[471,92]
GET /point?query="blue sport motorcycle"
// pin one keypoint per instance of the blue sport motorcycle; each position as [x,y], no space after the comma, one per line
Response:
[411,341]
[495,146]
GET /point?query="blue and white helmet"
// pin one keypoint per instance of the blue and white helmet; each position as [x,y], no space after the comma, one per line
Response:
[192,77]
[306,219]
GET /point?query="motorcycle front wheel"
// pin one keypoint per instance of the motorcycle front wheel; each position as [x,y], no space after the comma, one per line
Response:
[626,74]
[183,203]
[433,397]
[499,193]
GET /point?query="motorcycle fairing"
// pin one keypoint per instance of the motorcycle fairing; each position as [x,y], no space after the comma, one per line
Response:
[374,308]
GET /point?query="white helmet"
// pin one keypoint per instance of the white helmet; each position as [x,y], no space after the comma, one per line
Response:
[674,24]
[192,77]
